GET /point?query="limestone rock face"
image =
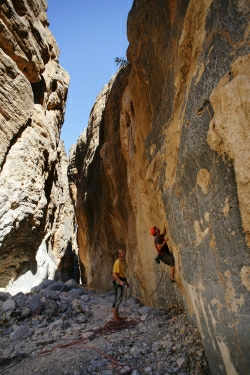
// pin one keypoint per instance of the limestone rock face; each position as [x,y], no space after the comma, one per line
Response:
[171,147]
[36,213]
[99,186]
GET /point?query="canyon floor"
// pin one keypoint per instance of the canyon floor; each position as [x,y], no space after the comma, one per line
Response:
[147,341]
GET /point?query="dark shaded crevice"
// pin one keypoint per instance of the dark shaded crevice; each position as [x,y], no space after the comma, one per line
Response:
[19,7]
[6,10]
[48,187]
[39,88]
[51,219]
[54,85]
[49,182]
[46,160]
[25,266]
[128,120]
[69,265]
[14,140]
[83,273]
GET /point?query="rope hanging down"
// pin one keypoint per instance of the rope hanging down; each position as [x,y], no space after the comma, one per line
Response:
[157,287]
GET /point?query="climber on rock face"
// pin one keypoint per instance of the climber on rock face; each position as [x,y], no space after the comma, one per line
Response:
[165,255]
[119,280]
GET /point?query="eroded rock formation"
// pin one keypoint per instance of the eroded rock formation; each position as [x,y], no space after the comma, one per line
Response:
[36,214]
[167,142]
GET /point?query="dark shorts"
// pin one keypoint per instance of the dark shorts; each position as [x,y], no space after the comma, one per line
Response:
[167,259]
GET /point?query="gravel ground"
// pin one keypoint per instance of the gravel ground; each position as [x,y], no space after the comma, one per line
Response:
[148,341]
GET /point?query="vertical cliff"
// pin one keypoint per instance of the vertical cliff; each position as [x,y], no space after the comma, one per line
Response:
[36,213]
[99,186]
[167,143]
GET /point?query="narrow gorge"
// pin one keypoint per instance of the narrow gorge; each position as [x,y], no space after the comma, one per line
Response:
[167,143]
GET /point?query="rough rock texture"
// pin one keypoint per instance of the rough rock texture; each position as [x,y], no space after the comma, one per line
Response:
[170,145]
[36,213]
[73,333]
[98,169]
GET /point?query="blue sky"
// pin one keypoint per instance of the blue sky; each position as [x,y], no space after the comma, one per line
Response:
[90,34]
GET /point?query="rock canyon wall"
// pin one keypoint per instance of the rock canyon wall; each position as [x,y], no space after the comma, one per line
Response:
[168,143]
[36,213]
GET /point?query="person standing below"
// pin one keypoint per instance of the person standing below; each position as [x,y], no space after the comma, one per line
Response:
[119,276]
[164,253]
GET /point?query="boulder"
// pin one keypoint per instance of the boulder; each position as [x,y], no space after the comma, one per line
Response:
[8,305]
[35,305]
[20,333]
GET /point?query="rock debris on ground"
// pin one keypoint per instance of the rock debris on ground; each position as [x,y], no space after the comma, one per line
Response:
[62,328]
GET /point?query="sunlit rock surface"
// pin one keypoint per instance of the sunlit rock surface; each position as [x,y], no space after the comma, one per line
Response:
[36,214]
[168,143]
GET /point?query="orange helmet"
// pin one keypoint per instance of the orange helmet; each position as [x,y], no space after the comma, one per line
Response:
[152,231]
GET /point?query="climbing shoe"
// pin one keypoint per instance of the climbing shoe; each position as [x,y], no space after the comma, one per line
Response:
[157,260]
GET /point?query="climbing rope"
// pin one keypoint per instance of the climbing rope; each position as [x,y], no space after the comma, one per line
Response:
[109,327]
[120,366]
[138,297]
[157,287]
[116,325]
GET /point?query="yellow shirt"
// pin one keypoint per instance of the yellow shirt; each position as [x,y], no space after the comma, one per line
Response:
[120,268]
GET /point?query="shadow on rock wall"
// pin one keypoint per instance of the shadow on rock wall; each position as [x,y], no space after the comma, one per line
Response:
[69,266]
